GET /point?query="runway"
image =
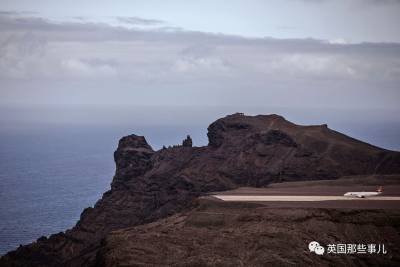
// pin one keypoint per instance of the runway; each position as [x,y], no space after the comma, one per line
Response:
[255,198]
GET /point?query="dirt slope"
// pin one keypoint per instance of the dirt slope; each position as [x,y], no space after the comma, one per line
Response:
[236,234]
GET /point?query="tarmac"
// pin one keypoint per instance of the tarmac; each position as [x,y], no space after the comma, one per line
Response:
[255,198]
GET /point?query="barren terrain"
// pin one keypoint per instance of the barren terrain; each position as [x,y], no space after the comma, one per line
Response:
[219,233]
[160,210]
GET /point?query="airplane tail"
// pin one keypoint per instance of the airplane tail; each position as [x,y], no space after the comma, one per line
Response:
[380,189]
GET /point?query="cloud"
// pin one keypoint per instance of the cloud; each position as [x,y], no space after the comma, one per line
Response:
[383,2]
[15,13]
[162,64]
[140,21]
[338,41]
[88,67]
[87,45]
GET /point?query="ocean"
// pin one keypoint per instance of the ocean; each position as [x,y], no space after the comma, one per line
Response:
[47,179]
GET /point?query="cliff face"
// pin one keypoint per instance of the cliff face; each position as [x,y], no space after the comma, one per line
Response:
[242,151]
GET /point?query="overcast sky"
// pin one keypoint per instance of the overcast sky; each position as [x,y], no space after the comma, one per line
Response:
[340,20]
[342,55]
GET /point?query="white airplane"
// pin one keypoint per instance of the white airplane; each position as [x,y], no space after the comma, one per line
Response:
[364,194]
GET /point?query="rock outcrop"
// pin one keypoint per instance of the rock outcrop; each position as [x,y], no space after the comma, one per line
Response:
[242,151]
[187,142]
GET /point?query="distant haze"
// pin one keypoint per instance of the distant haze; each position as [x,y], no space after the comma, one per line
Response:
[165,125]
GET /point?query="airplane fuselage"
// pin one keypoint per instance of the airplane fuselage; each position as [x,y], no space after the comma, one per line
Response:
[362,194]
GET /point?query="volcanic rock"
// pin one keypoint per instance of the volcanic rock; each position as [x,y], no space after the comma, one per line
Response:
[243,151]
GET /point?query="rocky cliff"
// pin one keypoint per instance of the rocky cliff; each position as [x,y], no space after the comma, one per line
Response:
[242,151]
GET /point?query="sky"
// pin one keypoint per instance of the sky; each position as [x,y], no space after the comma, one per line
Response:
[340,20]
[319,58]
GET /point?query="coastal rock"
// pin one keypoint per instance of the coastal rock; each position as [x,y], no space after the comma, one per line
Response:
[132,158]
[243,151]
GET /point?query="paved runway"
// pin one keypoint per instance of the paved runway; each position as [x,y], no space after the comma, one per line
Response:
[252,198]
